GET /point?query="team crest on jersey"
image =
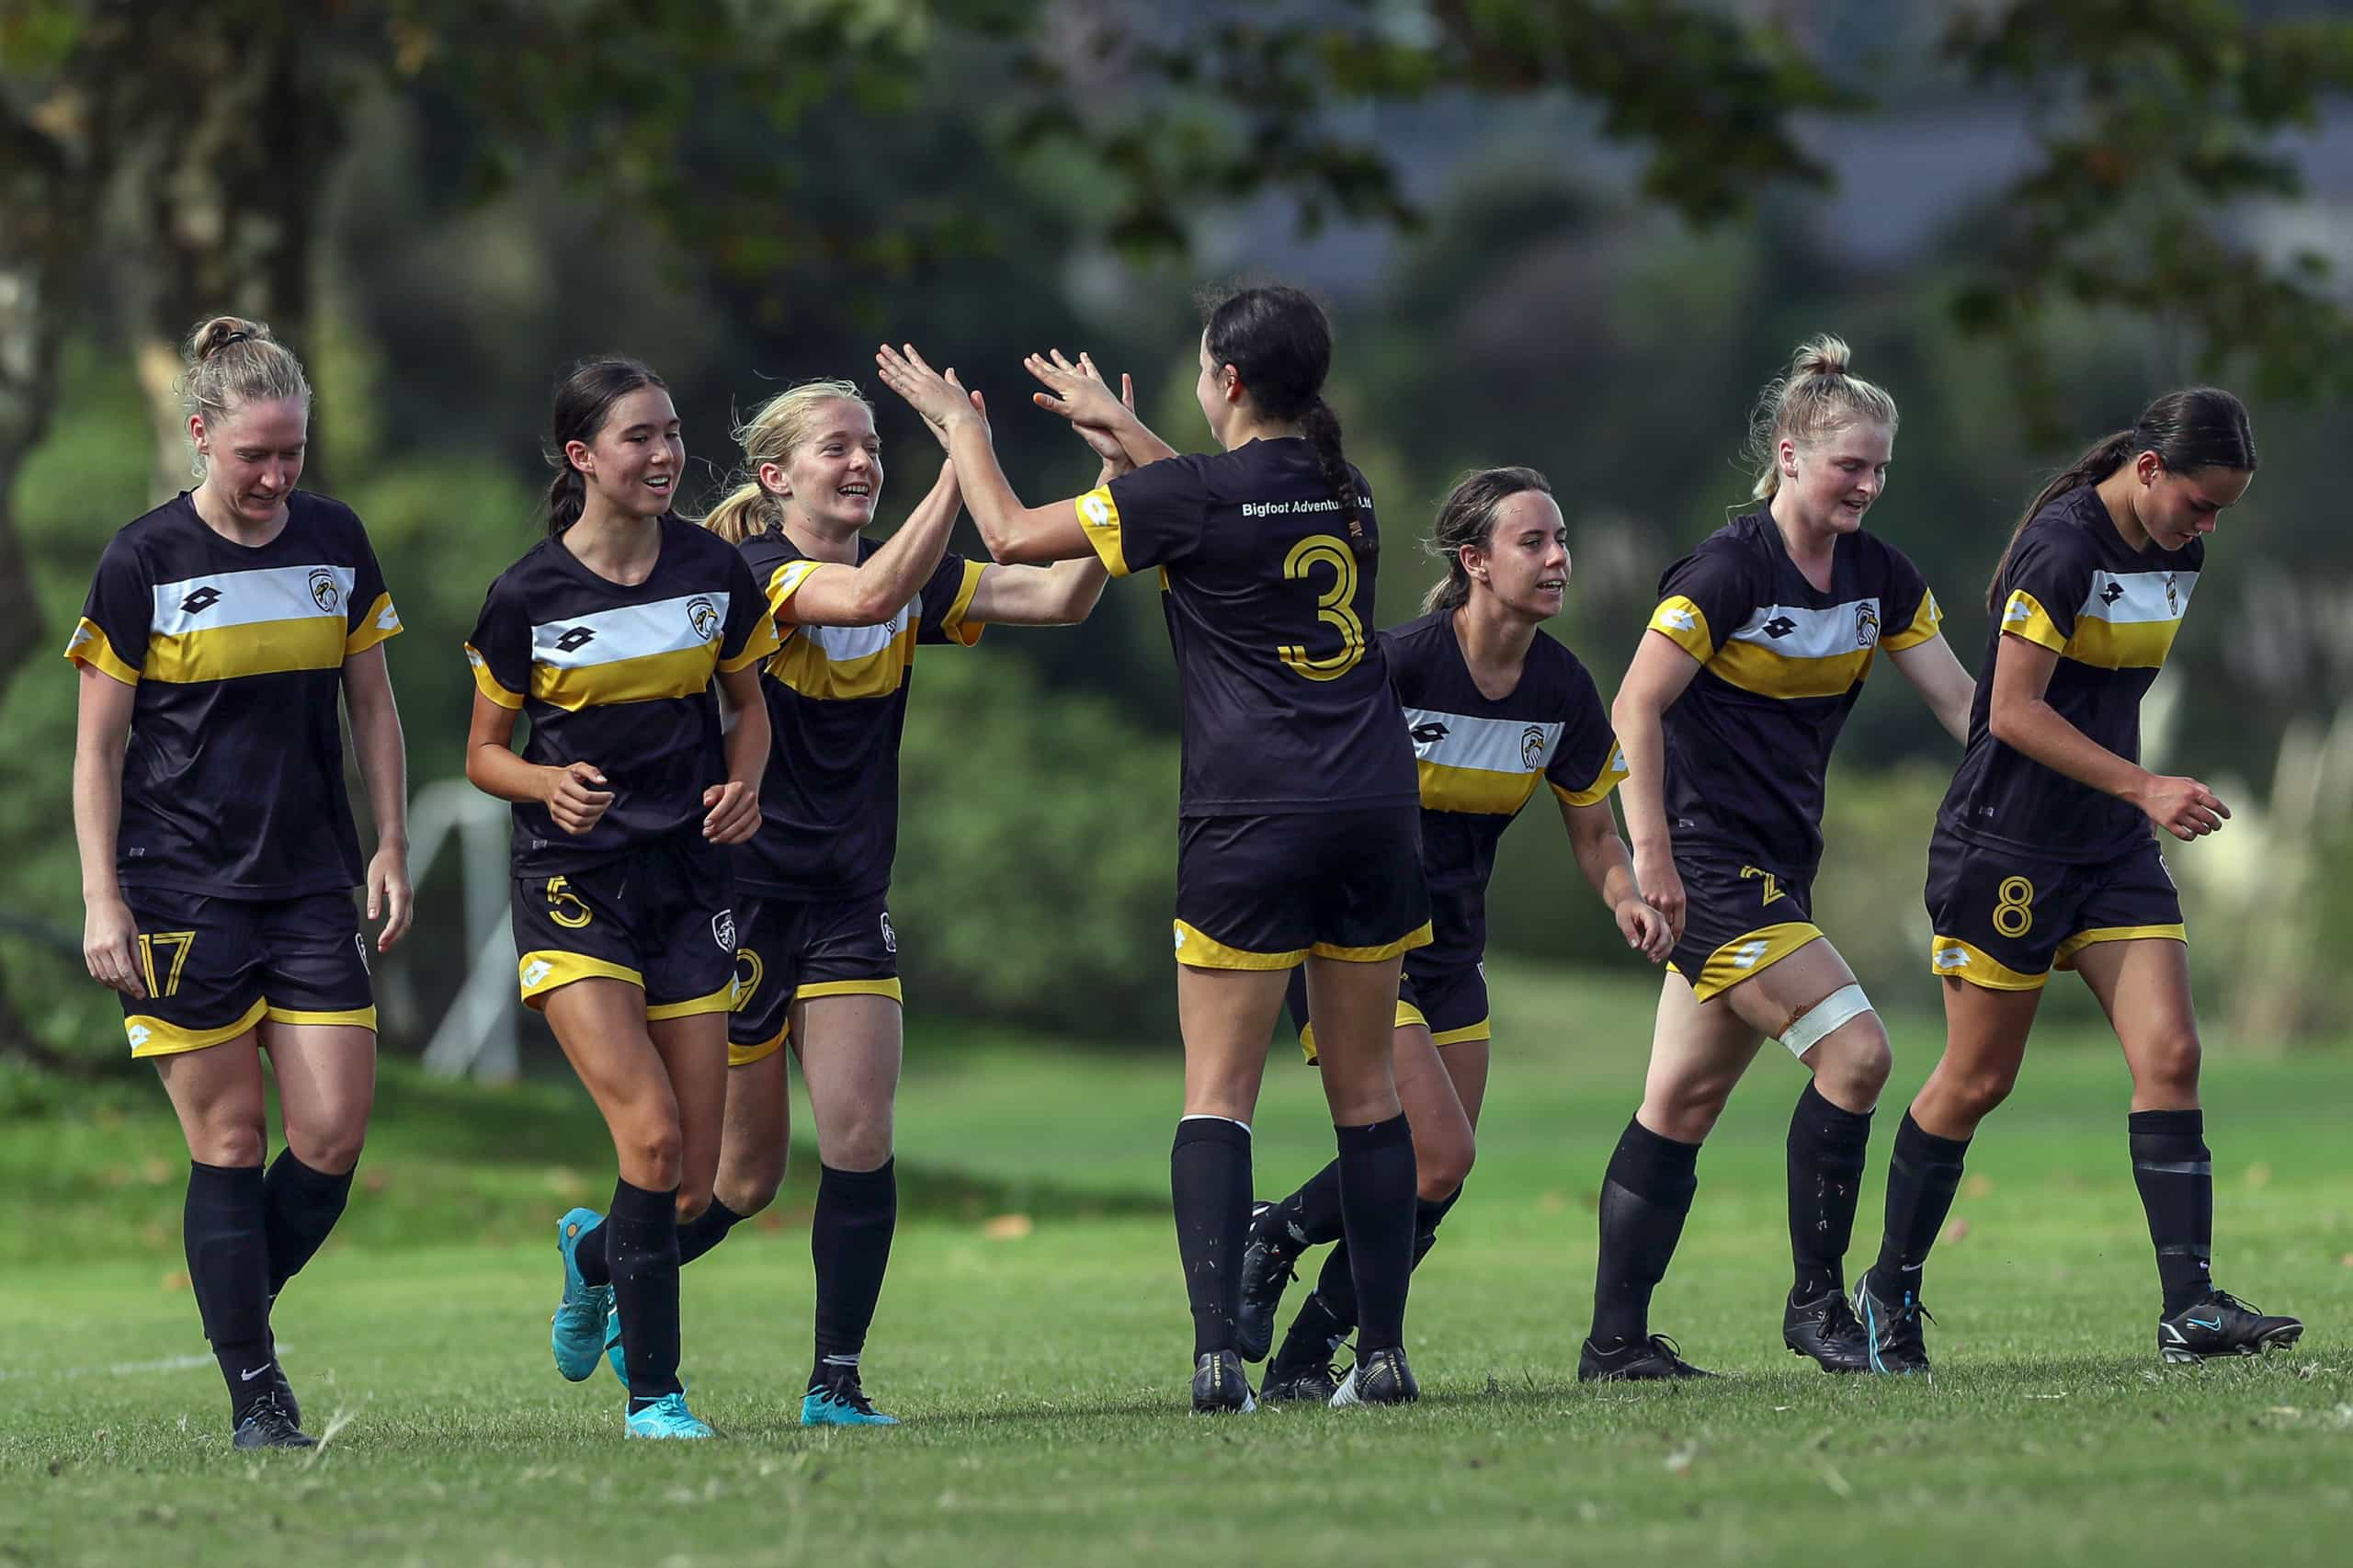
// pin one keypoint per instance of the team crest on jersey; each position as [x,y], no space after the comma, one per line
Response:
[1866,625]
[2173,594]
[325,592]
[1532,747]
[890,937]
[723,930]
[703,616]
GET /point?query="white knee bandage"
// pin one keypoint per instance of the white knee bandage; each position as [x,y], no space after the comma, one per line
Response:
[1842,1005]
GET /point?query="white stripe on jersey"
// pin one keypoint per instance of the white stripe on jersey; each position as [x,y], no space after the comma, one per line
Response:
[1813,633]
[841,644]
[243,598]
[2120,598]
[633,631]
[1491,745]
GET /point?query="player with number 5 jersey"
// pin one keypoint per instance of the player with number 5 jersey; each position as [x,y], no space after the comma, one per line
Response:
[1755,656]
[2043,858]
[1299,837]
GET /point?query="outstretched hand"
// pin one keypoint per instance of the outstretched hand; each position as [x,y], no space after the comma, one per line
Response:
[940,398]
[1080,394]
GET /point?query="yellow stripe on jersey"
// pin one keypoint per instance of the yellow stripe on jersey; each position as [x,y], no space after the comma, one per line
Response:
[1685,624]
[381,621]
[1098,516]
[255,648]
[1754,667]
[953,623]
[487,684]
[88,645]
[2120,644]
[764,639]
[1926,622]
[1476,790]
[807,663]
[2023,615]
[683,672]
[1956,959]
[1599,791]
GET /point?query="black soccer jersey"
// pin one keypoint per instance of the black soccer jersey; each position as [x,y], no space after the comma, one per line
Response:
[1781,663]
[1479,759]
[620,677]
[2073,587]
[1286,701]
[233,781]
[837,703]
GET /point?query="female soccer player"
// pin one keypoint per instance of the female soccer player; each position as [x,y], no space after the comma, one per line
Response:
[1754,658]
[1298,828]
[818,962]
[218,852]
[2042,858]
[1494,704]
[608,634]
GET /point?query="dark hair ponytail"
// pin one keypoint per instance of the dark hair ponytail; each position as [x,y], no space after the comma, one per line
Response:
[583,400]
[2193,428]
[1467,517]
[1279,343]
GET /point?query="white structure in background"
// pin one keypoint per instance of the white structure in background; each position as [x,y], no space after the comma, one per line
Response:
[476,1036]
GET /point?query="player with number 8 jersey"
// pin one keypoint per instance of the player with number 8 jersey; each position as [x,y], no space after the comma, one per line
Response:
[1299,834]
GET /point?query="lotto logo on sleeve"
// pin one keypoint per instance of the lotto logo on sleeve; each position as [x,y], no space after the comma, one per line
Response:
[1096,510]
[1680,619]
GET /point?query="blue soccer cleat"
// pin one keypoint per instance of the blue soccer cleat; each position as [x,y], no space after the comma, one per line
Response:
[838,1401]
[578,1331]
[613,1357]
[667,1417]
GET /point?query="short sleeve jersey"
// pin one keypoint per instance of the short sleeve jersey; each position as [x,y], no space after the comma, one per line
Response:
[1479,759]
[2072,585]
[232,776]
[1285,693]
[620,676]
[1781,663]
[838,705]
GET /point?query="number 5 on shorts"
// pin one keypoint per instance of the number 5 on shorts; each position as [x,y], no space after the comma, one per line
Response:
[179,942]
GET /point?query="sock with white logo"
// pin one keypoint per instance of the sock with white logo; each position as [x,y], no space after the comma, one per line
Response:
[1209,1187]
[849,1243]
[1923,1174]
[1377,1205]
[1826,1145]
[1645,1196]
[224,1230]
[2175,1173]
[643,1247]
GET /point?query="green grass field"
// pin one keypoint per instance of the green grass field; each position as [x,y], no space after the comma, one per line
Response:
[1033,1337]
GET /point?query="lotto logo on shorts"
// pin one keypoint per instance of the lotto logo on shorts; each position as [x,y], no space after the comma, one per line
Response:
[538,970]
[139,1035]
[723,930]
[1180,938]
[890,937]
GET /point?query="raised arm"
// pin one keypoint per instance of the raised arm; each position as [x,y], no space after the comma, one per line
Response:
[1661,670]
[1936,674]
[2019,716]
[101,734]
[1080,393]
[837,594]
[1016,534]
[383,770]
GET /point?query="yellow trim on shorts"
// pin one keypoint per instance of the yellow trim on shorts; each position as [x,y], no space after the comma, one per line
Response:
[1954,959]
[2075,944]
[162,1038]
[744,1055]
[563,969]
[1723,968]
[720,1001]
[851,988]
[1483,1029]
[347,1018]
[1198,949]
[1409,1017]
[1418,938]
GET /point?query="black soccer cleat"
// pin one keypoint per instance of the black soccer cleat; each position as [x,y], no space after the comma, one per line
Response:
[267,1426]
[1827,1330]
[1380,1377]
[1893,1339]
[1267,1267]
[1655,1359]
[1219,1386]
[2220,1325]
[1313,1383]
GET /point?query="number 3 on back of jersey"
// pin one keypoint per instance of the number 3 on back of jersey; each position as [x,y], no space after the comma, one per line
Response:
[1331,607]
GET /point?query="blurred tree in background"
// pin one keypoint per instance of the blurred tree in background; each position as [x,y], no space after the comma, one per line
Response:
[1572,233]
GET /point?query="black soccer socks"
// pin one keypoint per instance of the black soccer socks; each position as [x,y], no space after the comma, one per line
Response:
[850,1242]
[704,1231]
[224,1228]
[640,1245]
[1310,1216]
[1208,1187]
[1923,1174]
[1645,1196]
[1377,1219]
[1335,1287]
[2176,1175]
[1825,1163]
[301,1208]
